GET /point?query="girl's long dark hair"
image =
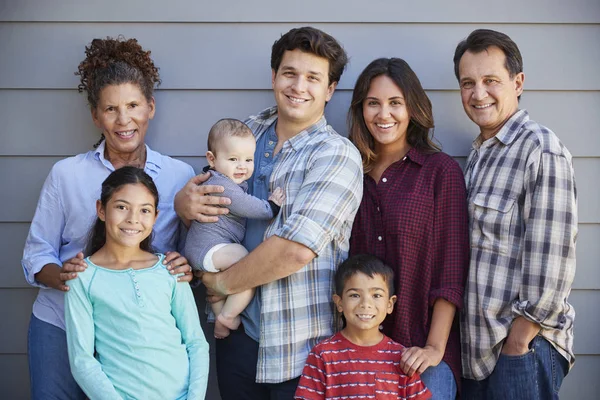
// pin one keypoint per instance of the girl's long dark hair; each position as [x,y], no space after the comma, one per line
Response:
[116,180]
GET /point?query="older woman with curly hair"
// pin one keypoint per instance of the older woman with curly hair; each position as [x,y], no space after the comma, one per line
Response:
[119,78]
[413,215]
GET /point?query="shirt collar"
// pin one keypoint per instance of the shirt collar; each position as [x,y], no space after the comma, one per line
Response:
[509,131]
[153,159]
[299,140]
[268,117]
[261,122]
[416,156]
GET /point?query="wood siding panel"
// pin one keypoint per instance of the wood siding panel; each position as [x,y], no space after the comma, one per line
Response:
[12,240]
[582,382]
[14,377]
[587,321]
[532,11]
[208,56]
[15,311]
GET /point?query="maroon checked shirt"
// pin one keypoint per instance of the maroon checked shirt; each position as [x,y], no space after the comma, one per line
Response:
[415,219]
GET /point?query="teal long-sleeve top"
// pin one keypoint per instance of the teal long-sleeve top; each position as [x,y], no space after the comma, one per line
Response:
[135,334]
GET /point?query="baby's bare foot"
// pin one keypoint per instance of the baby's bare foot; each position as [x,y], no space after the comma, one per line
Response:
[230,322]
[221,331]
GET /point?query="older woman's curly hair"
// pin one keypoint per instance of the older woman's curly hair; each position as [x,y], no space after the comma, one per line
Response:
[116,61]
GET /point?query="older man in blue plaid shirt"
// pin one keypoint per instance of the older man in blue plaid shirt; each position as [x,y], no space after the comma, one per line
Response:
[517,324]
[293,267]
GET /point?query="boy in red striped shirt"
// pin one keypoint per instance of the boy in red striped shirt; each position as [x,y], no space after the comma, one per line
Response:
[360,361]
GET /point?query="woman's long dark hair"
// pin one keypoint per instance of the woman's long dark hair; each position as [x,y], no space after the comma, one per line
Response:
[419,134]
[116,180]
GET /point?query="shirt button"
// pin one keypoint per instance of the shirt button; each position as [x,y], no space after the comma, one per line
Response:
[379,238]
[404,158]
[266,155]
[384,180]
[270,142]
[377,209]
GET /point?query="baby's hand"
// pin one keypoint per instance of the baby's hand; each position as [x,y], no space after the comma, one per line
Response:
[277,197]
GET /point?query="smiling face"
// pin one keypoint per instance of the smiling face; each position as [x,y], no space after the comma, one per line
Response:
[489,95]
[386,115]
[129,215]
[122,114]
[301,88]
[365,302]
[234,157]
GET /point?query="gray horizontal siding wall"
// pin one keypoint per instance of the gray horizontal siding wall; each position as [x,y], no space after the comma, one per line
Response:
[214,60]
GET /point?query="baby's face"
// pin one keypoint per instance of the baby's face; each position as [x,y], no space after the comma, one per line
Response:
[235,158]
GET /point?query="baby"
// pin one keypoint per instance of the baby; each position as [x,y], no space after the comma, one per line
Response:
[213,247]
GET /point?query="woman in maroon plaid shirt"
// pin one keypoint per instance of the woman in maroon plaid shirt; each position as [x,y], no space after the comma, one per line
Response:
[413,216]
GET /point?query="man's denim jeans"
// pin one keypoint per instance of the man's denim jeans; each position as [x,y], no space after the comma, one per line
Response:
[49,371]
[535,375]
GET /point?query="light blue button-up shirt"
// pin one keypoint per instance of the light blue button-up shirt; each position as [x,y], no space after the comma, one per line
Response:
[66,211]
[258,186]
[157,352]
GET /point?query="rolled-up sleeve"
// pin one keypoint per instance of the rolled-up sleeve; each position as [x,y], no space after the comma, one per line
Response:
[550,218]
[44,239]
[328,197]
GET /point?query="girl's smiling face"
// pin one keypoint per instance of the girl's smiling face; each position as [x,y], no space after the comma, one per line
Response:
[129,215]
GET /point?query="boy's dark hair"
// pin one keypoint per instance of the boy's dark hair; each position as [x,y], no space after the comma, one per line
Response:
[366,264]
[226,127]
[118,178]
[313,41]
[481,39]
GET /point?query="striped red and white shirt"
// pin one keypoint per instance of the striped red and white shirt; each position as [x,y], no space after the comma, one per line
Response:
[338,369]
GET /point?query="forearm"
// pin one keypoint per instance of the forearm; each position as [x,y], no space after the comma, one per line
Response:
[199,362]
[179,204]
[522,332]
[183,309]
[93,381]
[49,275]
[441,323]
[273,259]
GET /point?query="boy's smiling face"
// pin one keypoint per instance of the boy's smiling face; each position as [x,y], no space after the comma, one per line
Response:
[365,302]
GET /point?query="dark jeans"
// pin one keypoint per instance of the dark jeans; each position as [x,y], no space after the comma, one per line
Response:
[49,371]
[237,355]
[535,375]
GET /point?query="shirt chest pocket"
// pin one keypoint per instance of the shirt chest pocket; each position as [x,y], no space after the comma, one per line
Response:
[492,218]
[387,386]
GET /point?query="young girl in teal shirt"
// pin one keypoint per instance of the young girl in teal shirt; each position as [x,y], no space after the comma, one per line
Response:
[133,331]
